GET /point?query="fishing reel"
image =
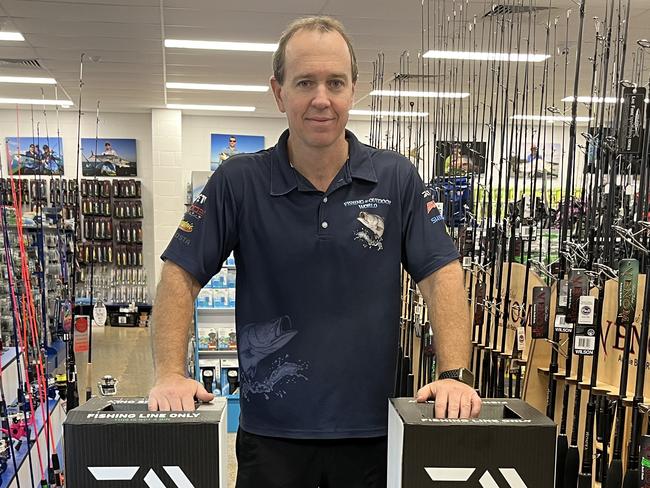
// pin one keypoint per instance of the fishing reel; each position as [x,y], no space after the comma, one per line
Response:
[61,385]
[17,426]
[107,386]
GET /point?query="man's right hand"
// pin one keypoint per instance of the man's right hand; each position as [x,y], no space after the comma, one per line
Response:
[176,392]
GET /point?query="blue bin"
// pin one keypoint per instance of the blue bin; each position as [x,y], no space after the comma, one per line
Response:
[233,411]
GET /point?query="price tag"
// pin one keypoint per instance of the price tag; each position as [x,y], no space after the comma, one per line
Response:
[585,344]
[564,293]
[467,262]
[586,310]
[561,324]
[521,339]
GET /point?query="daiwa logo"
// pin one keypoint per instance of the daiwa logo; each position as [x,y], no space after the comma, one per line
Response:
[486,481]
[151,479]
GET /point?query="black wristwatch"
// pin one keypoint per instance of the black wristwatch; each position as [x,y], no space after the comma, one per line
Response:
[463,375]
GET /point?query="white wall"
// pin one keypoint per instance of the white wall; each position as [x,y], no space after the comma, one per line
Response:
[130,126]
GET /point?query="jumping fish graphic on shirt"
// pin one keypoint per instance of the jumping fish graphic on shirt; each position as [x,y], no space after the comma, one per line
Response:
[256,342]
[371,234]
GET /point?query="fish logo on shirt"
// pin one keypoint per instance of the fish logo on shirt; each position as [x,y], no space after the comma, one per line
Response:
[372,231]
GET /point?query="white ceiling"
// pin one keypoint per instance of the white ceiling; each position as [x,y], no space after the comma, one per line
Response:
[127,37]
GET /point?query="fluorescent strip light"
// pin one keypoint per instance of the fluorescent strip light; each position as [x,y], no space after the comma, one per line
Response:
[477,56]
[222,108]
[11,36]
[549,118]
[587,99]
[418,94]
[36,101]
[218,87]
[27,79]
[388,112]
[222,46]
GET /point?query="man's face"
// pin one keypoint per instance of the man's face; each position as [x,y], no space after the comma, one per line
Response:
[232,142]
[107,146]
[317,92]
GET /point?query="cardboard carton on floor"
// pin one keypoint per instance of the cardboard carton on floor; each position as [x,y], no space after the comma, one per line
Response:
[510,445]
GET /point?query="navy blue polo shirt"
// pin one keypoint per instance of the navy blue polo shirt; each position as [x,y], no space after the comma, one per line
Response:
[318,282]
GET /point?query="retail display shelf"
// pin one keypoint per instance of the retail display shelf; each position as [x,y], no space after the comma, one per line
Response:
[216,311]
[9,475]
[8,357]
[222,353]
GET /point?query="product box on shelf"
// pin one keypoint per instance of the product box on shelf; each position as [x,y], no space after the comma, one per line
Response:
[229,376]
[220,298]
[207,339]
[204,300]
[227,339]
[510,444]
[188,448]
[231,278]
[231,297]
[219,280]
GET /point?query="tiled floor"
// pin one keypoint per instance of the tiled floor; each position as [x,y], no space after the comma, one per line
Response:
[125,354]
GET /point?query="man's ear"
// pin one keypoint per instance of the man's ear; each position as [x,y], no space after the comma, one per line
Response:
[276,87]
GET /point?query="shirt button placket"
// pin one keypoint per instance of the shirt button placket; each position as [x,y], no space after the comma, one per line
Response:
[322,217]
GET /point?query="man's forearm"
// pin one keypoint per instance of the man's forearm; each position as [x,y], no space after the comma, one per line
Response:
[172,316]
[445,295]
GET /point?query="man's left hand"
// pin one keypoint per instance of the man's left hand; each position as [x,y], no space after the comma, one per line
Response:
[453,399]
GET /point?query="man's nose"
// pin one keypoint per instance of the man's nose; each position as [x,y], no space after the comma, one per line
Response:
[321,97]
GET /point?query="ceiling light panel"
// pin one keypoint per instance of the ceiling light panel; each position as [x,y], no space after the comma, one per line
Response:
[28,80]
[216,108]
[417,94]
[221,46]
[35,101]
[478,56]
[388,113]
[11,36]
[217,87]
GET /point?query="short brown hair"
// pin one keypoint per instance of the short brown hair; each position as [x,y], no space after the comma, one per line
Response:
[319,23]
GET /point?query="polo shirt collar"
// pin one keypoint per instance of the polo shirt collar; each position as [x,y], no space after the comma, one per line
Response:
[283,176]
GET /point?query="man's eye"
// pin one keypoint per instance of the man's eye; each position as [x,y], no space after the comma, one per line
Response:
[336,83]
[304,83]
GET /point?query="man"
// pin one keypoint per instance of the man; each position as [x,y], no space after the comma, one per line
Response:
[319,225]
[457,163]
[108,150]
[231,150]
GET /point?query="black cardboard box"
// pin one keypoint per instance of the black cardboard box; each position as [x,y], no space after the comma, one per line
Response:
[114,442]
[510,445]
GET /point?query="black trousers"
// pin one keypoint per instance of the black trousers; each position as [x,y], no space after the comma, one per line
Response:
[272,462]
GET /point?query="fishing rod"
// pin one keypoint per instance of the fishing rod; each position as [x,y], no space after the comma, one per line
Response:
[498,263]
[615,472]
[572,460]
[519,342]
[577,284]
[510,217]
[496,70]
[632,475]
[72,394]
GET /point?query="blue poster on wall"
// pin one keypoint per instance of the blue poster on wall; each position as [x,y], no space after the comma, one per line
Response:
[35,155]
[109,157]
[222,146]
